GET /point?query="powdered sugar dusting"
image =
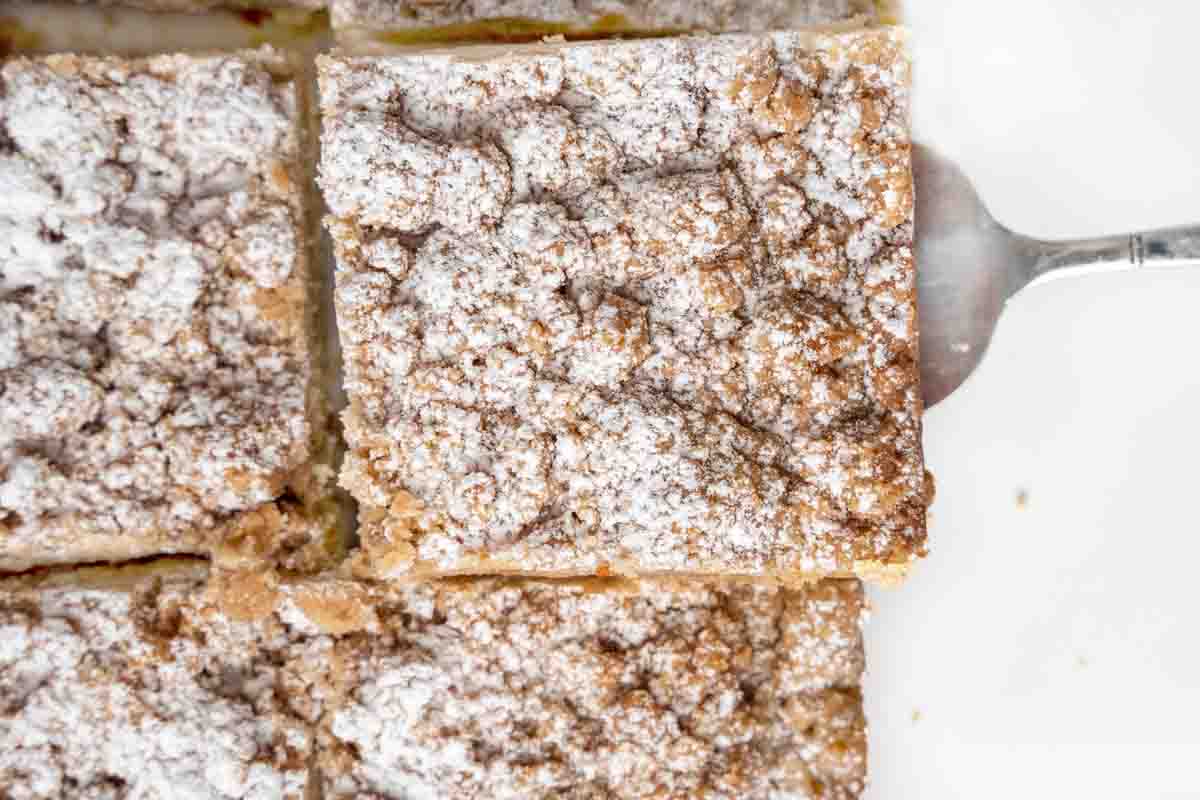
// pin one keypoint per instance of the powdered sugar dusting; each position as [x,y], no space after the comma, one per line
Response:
[509,691]
[681,334]
[143,691]
[677,330]
[154,361]
[155,680]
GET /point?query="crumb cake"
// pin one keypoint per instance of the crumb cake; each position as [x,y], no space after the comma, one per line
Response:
[159,680]
[629,307]
[511,689]
[414,21]
[161,384]
[126,682]
[505,691]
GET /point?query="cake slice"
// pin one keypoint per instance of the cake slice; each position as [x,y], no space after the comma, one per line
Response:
[629,307]
[505,689]
[126,682]
[162,386]
[419,21]
[159,680]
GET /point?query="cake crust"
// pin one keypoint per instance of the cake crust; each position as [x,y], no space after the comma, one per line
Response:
[635,307]
[159,378]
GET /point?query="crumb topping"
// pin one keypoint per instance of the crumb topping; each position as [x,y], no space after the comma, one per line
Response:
[647,305]
[146,692]
[711,15]
[537,690]
[154,360]
[237,685]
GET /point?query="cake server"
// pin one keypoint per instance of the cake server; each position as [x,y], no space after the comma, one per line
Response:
[969,265]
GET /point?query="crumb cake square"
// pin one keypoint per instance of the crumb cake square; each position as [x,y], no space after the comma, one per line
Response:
[412,21]
[629,307]
[494,690]
[163,679]
[127,682]
[160,377]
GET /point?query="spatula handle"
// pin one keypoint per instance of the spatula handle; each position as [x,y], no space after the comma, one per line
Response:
[1164,247]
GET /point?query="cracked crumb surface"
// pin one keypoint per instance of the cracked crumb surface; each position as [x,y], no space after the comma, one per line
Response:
[523,689]
[633,15]
[157,378]
[126,682]
[639,307]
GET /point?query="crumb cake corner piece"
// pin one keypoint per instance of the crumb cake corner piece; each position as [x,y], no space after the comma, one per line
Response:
[418,22]
[492,688]
[125,680]
[629,307]
[161,387]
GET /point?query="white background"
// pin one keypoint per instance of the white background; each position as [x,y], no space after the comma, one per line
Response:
[1054,650]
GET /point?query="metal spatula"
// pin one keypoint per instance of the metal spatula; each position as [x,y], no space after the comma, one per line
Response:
[968,265]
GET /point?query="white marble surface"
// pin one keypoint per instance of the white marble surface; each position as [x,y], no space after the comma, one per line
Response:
[1054,650]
